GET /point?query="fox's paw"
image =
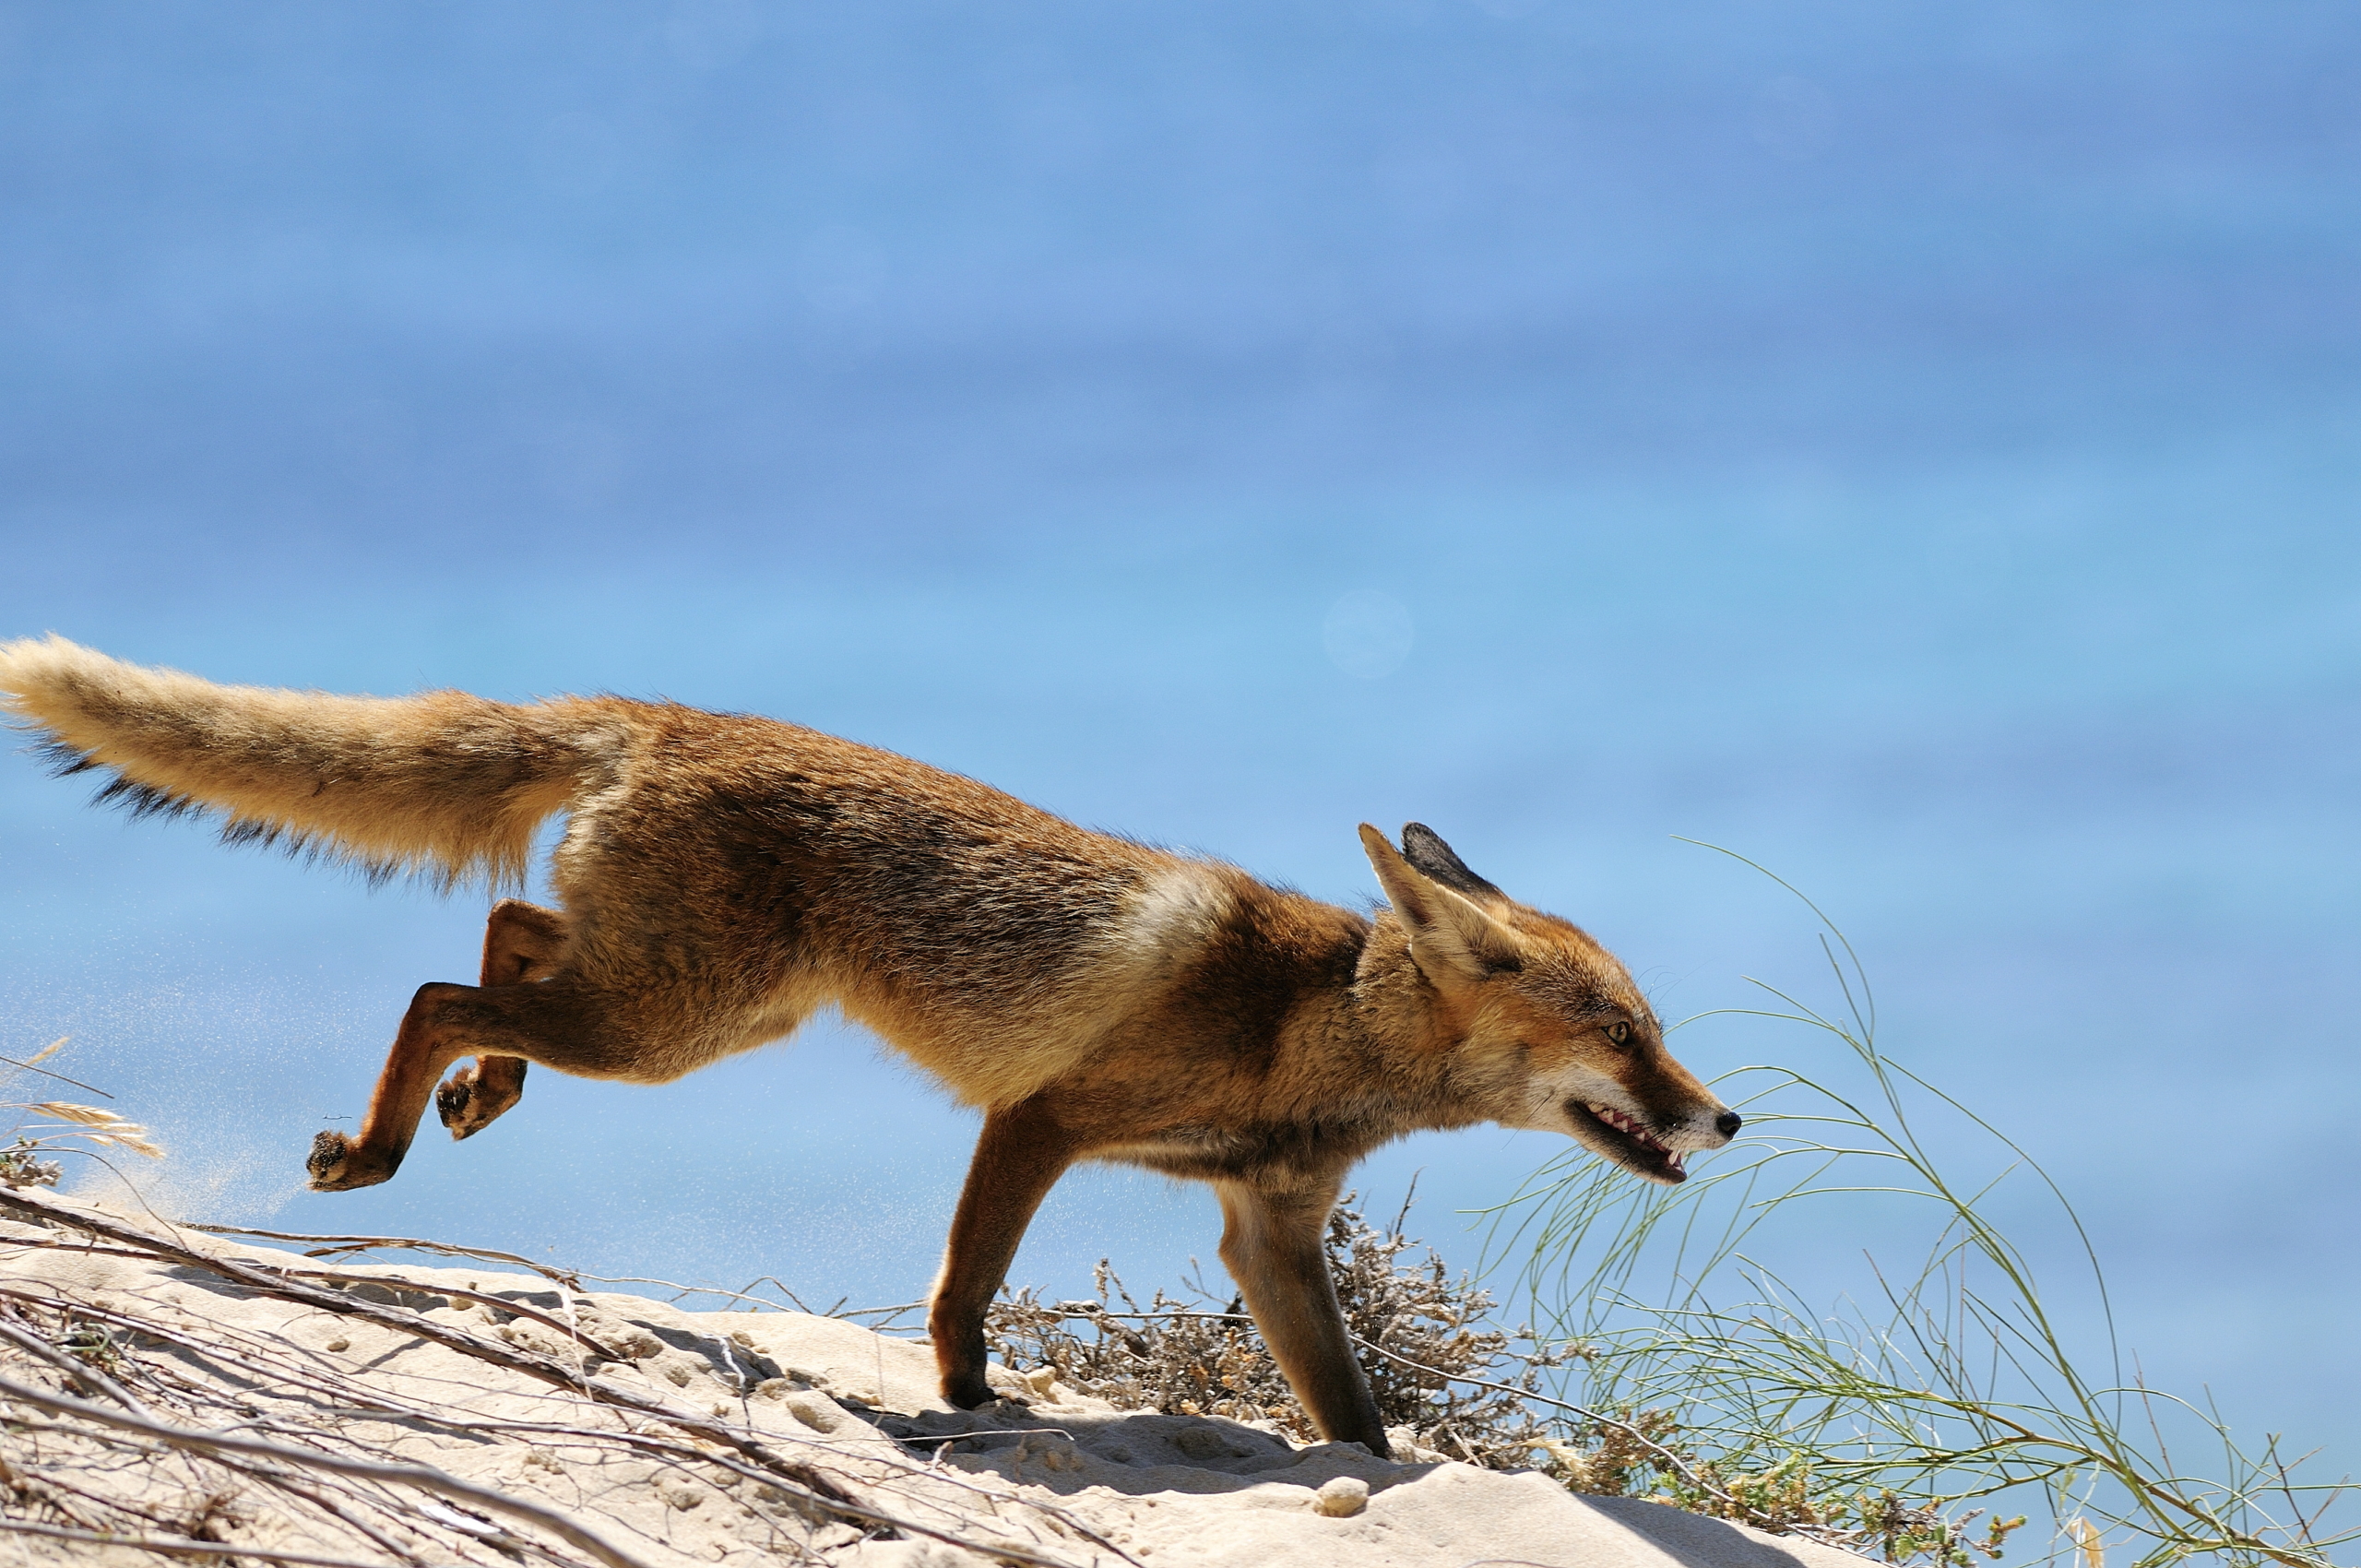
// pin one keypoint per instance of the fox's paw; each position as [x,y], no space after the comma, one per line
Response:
[974,1394]
[467,1105]
[966,1392]
[335,1166]
[455,1099]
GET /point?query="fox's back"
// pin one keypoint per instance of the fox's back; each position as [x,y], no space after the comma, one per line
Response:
[992,940]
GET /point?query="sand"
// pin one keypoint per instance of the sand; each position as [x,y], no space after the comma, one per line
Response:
[519,1411]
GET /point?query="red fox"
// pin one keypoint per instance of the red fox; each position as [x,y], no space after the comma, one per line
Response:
[721,877]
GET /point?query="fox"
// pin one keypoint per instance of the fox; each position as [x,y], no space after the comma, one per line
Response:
[721,877]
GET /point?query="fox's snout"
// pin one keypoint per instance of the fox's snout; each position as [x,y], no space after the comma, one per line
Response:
[1638,1144]
[1642,1138]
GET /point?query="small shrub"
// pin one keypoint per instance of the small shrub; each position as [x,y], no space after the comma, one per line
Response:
[23,1167]
[1423,1341]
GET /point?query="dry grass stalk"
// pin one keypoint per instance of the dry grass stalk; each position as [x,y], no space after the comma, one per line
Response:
[69,1123]
[1870,1423]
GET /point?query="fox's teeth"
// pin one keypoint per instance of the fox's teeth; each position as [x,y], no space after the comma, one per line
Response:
[1629,1127]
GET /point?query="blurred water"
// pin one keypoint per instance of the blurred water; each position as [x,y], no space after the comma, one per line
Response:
[1914,447]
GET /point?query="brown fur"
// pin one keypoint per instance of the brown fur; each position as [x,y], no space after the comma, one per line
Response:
[721,877]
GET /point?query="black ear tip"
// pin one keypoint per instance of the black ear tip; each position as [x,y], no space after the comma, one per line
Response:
[1425,849]
[1420,841]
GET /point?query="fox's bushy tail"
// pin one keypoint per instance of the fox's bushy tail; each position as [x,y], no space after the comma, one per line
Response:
[441,785]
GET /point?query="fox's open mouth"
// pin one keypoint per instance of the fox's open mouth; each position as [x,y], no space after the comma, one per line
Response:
[1622,1139]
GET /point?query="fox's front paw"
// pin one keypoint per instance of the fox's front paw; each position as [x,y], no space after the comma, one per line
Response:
[335,1166]
[968,1392]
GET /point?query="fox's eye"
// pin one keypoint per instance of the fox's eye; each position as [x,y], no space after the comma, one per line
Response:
[1620,1032]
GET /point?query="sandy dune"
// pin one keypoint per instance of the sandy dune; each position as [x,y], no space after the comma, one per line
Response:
[493,1416]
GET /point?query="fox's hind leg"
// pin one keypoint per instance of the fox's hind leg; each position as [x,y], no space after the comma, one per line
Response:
[521,942]
[565,1023]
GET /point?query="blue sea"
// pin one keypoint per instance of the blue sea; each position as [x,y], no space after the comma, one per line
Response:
[1916,447]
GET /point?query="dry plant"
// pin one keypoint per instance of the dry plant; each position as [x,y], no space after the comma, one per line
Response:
[1439,1373]
[51,1126]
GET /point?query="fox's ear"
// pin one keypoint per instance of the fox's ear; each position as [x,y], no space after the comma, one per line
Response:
[1454,941]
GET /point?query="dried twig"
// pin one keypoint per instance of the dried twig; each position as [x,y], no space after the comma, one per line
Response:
[44,1071]
[331,1246]
[80,1370]
[548,1368]
[425,1478]
[178,1546]
[337,1246]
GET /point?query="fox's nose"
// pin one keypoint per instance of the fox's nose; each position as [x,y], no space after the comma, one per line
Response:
[1728,1122]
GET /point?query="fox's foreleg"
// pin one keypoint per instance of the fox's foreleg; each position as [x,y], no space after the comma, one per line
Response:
[1019,1158]
[560,1022]
[521,942]
[1272,1244]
